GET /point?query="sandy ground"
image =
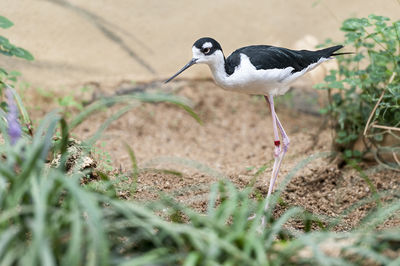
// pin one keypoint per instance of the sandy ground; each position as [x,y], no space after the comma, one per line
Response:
[234,142]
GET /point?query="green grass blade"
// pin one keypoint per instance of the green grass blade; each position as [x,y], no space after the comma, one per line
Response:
[97,247]
[6,237]
[277,226]
[191,112]
[154,257]
[96,136]
[135,168]
[74,251]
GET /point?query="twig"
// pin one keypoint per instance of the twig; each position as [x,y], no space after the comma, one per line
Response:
[377,104]
[385,127]
[395,158]
[384,164]
[373,112]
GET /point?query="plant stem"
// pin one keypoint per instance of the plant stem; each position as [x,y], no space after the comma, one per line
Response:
[377,103]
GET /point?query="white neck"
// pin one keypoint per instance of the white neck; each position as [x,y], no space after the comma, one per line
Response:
[217,67]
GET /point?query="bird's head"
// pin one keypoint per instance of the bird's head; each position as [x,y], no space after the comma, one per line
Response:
[205,51]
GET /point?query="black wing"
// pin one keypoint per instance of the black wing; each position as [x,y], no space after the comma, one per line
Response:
[270,57]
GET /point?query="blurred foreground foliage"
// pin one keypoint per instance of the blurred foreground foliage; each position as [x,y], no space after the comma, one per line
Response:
[365,91]
[47,217]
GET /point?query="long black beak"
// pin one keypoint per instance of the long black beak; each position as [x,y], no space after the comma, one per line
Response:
[191,62]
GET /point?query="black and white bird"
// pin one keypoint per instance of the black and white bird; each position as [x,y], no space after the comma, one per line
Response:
[259,69]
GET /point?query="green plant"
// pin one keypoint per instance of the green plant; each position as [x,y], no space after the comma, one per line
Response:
[364,94]
[103,157]
[68,101]
[9,49]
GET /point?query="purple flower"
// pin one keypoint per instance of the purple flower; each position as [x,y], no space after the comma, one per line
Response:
[14,129]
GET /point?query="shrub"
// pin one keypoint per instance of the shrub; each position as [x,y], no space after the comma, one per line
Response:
[365,91]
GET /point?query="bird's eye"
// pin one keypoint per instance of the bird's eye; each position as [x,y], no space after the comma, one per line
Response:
[206,50]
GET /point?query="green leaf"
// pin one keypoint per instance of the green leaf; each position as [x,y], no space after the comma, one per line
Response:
[15,73]
[22,53]
[320,86]
[3,40]
[358,57]
[353,24]
[337,98]
[378,18]
[357,153]
[323,111]
[348,153]
[3,71]
[5,23]
[335,85]
[8,47]
[342,134]
[331,76]
[7,53]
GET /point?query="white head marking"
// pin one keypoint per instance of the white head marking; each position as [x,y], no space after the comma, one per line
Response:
[196,52]
[207,45]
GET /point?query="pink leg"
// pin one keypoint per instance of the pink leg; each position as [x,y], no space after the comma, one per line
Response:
[285,138]
[278,153]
